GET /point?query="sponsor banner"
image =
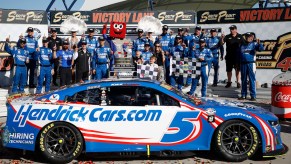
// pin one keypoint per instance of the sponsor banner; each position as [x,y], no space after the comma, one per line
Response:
[244,15]
[57,17]
[1,15]
[24,17]
[130,17]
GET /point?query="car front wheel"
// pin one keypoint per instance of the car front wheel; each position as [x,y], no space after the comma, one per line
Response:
[60,142]
[236,140]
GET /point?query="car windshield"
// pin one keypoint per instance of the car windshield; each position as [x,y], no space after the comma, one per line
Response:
[178,92]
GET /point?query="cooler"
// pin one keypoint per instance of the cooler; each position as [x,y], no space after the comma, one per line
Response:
[281,95]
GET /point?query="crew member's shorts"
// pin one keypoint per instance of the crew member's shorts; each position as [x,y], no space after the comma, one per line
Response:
[230,64]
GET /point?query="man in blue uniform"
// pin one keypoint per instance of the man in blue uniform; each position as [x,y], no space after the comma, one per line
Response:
[31,46]
[101,59]
[146,53]
[92,44]
[21,58]
[65,57]
[138,44]
[167,43]
[45,58]
[248,65]
[178,51]
[213,43]
[203,55]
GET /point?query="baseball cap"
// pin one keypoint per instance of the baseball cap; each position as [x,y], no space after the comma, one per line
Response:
[178,37]
[213,30]
[165,27]
[180,29]
[91,30]
[233,27]
[198,27]
[101,38]
[29,29]
[202,40]
[53,30]
[65,42]
[22,40]
[83,41]
[147,43]
[44,40]
[139,30]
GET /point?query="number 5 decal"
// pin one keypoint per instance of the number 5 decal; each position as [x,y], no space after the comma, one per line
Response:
[184,125]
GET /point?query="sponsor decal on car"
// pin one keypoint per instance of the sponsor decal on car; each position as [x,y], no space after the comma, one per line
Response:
[54,98]
[238,114]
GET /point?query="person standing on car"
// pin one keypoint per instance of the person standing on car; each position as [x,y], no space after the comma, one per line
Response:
[45,57]
[31,46]
[101,59]
[248,65]
[21,58]
[65,57]
[55,41]
[213,43]
[82,59]
[232,58]
[203,55]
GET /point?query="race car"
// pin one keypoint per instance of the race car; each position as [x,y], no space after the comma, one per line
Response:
[136,116]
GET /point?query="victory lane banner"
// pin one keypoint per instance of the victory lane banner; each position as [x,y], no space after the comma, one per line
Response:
[130,17]
[187,67]
[244,15]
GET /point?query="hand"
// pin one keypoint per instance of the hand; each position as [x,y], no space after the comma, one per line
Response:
[20,36]
[222,35]
[94,71]
[52,72]
[258,41]
[37,49]
[201,59]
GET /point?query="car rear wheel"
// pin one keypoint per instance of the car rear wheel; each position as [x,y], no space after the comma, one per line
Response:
[60,142]
[236,140]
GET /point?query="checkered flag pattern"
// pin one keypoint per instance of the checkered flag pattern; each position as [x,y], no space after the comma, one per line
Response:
[188,67]
[147,71]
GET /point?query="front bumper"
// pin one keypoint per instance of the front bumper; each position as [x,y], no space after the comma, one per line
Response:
[278,152]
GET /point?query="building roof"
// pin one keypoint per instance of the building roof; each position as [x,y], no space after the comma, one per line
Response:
[195,5]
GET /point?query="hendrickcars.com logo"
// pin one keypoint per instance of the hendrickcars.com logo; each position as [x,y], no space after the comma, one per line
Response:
[75,114]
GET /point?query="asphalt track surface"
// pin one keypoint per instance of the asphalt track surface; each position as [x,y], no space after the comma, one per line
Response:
[189,157]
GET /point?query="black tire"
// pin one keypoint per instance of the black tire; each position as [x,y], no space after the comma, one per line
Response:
[236,140]
[60,142]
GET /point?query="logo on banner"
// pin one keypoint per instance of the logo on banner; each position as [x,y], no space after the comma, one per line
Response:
[176,17]
[276,53]
[30,16]
[61,16]
[221,16]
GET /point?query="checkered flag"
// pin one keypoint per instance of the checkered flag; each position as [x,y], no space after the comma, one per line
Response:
[188,67]
[147,71]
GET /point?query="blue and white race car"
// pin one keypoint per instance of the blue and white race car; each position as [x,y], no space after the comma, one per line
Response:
[136,116]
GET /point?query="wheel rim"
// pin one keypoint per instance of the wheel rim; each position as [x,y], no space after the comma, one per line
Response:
[60,141]
[237,139]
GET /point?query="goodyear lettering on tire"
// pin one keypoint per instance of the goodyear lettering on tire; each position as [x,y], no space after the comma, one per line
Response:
[41,139]
[219,138]
[253,148]
[78,149]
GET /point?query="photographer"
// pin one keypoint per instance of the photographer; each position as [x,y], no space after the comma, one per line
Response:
[248,64]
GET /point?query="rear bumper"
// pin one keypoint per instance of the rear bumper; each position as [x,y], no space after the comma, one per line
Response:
[278,152]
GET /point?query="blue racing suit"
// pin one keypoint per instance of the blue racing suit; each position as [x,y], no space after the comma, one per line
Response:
[179,52]
[193,39]
[45,58]
[207,55]
[31,45]
[213,43]
[248,67]
[138,45]
[100,60]
[20,55]
[113,49]
[146,55]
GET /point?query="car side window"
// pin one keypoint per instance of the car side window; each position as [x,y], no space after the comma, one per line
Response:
[138,96]
[91,96]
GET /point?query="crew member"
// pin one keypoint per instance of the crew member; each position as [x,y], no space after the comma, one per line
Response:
[146,53]
[248,65]
[203,55]
[213,43]
[82,60]
[101,59]
[21,58]
[45,58]
[55,44]
[65,57]
[138,44]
